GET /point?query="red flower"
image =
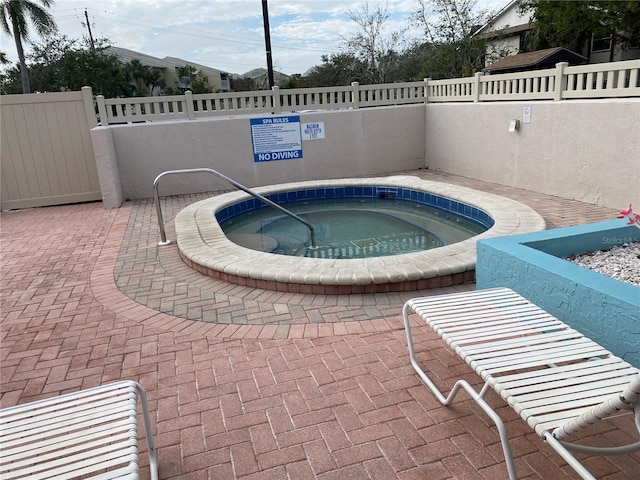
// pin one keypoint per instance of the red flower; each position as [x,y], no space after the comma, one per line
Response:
[627,212]
[634,218]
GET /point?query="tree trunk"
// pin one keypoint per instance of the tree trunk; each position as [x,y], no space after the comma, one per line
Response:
[24,74]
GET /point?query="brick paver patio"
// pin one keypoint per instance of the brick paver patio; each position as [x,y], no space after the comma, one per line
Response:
[247,383]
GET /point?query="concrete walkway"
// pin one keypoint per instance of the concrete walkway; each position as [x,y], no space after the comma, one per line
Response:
[246,383]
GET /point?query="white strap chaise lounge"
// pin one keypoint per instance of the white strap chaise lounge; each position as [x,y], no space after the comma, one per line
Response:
[557,380]
[88,434]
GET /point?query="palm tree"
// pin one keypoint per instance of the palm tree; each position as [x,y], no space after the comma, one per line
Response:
[136,72]
[14,15]
[154,78]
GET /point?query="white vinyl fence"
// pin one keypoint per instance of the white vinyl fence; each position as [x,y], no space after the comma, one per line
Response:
[605,80]
[46,149]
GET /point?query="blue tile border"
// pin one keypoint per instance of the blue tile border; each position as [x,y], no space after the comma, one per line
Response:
[468,212]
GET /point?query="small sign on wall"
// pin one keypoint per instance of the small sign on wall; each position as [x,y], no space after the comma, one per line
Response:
[276,138]
[313,131]
[526,115]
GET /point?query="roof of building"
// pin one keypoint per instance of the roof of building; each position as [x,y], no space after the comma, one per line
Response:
[261,72]
[127,55]
[505,32]
[146,60]
[493,19]
[538,59]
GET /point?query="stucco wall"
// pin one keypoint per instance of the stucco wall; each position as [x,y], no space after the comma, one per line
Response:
[588,150]
[357,142]
[603,309]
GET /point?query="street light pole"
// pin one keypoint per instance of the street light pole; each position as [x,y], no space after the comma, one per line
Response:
[267,42]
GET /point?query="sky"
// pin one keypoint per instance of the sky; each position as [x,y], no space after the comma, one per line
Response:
[224,34]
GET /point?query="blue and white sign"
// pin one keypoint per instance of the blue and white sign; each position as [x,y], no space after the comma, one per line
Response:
[313,131]
[276,138]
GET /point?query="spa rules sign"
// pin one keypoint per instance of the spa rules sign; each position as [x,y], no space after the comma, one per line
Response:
[276,138]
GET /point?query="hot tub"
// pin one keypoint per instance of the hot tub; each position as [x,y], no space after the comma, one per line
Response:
[204,246]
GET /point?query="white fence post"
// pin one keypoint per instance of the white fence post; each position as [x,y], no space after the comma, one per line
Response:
[102,111]
[560,83]
[476,86]
[188,100]
[87,99]
[275,100]
[355,95]
[426,90]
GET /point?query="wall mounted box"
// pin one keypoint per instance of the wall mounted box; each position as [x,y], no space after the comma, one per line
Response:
[602,308]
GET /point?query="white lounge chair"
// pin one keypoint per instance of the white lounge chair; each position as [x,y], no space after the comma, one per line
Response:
[91,433]
[557,380]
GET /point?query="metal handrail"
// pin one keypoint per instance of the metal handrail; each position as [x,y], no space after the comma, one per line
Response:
[156,201]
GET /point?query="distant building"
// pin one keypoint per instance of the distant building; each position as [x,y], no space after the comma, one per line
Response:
[505,32]
[505,37]
[218,80]
[538,60]
[260,77]
[174,70]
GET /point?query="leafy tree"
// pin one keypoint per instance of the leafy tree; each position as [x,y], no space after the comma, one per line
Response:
[136,73]
[372,45]
[336,69]
[448,48]
[46,61]
[294,81]
[200,84]
[243,84]
[10,81]
[62,63]
[414,61]
[571,24]
[43,64]
[154,78]
[100,70]
[197,83]
[15,16]
[451,49]
[144,78]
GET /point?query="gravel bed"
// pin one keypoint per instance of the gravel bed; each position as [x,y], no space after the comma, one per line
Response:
[620,262]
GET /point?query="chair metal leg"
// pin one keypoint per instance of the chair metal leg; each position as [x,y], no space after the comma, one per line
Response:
[462,384]
[153,457]
[568,457]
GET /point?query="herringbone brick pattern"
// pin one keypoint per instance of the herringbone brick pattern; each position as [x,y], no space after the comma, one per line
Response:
[245,383]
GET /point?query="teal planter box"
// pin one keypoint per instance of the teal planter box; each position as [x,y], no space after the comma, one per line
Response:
[532,264]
